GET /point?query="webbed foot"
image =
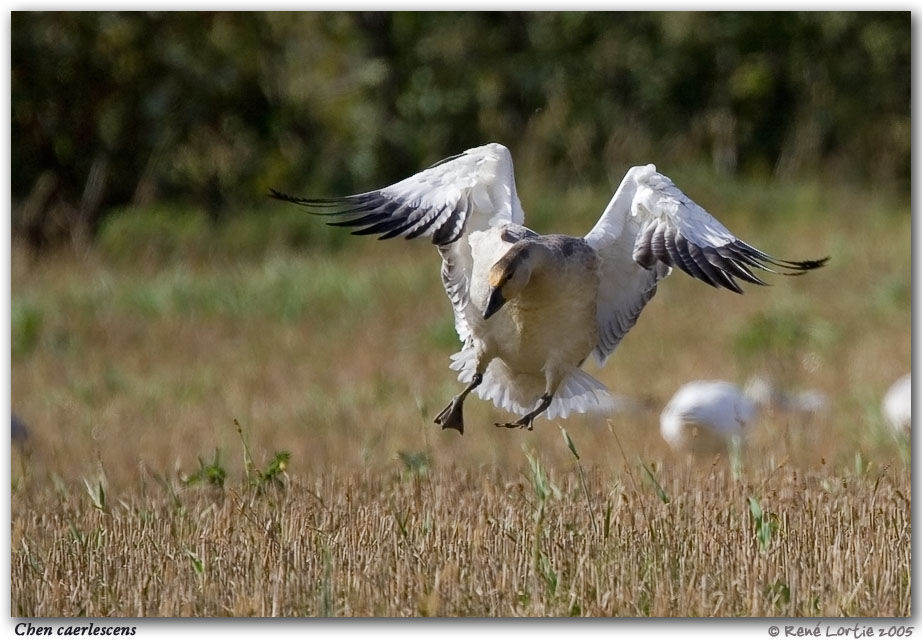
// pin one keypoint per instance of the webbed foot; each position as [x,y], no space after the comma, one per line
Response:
[521,423]
[452,416]
[527,420]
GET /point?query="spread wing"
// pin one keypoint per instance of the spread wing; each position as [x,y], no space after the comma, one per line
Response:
[474,190]
[651,226]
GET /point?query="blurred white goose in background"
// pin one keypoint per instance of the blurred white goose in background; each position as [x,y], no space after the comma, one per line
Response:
[704,416]
[897,404]
[806,401]
[768,394]
[530,309]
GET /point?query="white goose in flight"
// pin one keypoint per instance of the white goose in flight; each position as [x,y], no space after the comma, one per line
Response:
[531,308]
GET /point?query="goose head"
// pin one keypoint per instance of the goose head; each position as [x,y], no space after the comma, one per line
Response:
[509,276]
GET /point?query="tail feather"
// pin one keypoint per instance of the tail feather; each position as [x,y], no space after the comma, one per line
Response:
[581,393]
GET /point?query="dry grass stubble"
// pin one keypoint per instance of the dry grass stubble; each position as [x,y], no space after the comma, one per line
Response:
[474,542]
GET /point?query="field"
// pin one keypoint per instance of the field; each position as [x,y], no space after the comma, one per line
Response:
[229,423]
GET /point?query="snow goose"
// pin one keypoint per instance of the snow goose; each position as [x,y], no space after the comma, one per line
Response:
[529,308]
[768,394]
[705,415]
[897,404]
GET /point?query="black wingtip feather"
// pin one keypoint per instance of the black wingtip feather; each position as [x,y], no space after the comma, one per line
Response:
[755,257]
[811,264]
[342,204]
[274,193]
[661,244]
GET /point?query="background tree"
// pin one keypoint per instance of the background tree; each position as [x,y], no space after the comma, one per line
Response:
[208,109]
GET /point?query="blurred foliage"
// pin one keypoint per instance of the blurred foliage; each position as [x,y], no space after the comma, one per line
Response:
[783,341]
[206,110]
[161,234]
[25,326]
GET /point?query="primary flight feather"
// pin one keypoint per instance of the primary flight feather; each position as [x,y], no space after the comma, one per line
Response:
[530,308]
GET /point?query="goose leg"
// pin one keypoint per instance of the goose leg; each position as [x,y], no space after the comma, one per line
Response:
[452,416]
[527,420]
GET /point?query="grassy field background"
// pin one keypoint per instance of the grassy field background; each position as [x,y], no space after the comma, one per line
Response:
[135,361]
